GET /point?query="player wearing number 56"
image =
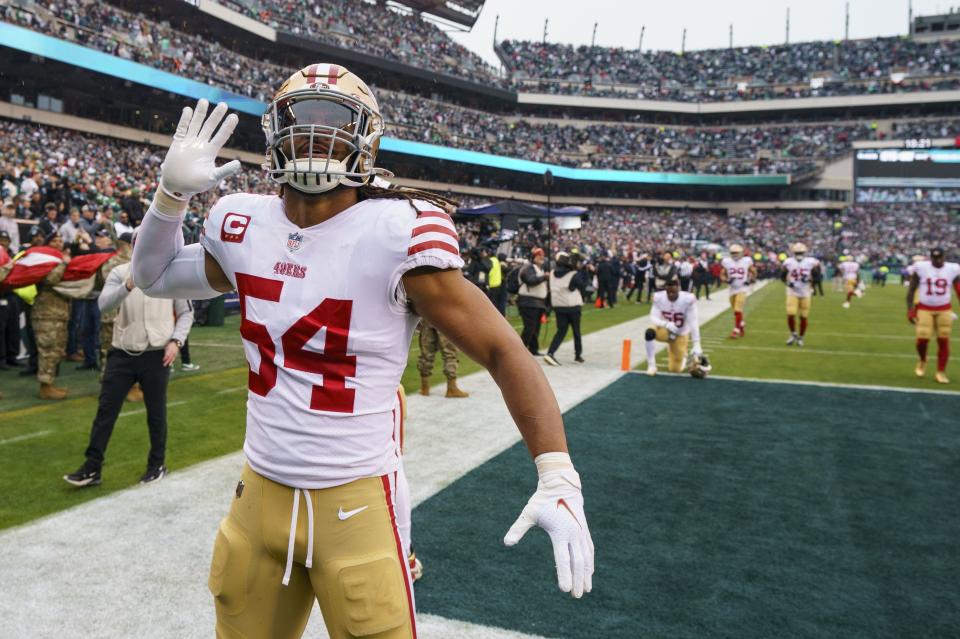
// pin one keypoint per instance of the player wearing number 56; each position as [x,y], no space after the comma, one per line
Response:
[675,321]
[334,272]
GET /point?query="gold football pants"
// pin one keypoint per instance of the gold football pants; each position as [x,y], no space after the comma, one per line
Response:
[737,302]
[356,569]
[798,304]
[934,323]
[676,349]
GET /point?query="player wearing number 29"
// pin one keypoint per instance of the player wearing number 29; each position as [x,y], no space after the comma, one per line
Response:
[675,321]
[333,275]
[930,308]
[798,273]
[738,271]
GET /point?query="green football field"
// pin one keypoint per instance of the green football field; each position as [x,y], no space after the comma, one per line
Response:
[721,509]
[868,344]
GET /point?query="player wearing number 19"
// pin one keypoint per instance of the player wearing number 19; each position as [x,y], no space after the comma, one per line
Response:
[930,308]
[333,274]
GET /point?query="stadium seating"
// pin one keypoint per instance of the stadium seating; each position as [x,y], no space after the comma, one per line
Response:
[877,65]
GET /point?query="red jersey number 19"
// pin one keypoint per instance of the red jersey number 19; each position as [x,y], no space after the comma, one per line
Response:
[333,363]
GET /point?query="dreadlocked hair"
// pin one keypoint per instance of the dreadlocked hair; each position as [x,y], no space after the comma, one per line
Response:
[371,192]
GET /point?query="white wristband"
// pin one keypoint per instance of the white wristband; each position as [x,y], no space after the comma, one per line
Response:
[547,462]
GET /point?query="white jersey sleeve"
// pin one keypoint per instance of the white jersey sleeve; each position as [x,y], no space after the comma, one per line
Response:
[432,241]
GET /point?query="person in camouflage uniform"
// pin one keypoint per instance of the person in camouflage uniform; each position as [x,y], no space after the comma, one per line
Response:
[51,312]
[430,340]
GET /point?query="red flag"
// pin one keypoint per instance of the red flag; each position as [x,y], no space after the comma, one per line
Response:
[37,261]
[83,266]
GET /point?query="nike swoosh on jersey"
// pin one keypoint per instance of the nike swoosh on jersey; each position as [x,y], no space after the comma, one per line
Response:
[345,515]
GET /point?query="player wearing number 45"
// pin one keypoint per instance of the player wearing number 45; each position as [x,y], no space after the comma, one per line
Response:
[797,274]
[930,308]
[675,321]
[334,273]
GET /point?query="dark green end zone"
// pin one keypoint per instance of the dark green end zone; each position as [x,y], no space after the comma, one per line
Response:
[721,509]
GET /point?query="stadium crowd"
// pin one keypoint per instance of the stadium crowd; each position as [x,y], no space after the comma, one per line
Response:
[877,65]
[823,68]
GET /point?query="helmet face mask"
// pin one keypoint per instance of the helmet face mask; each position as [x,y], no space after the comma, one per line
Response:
[321,134]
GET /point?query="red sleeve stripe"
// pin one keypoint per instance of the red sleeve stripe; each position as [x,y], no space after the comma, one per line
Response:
[426,246]
[443,216]
[434,228]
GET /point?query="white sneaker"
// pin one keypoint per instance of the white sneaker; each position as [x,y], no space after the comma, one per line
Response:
[846,305]
[793,339]
[550,359]
[652,370]
[799,341]
[190,367]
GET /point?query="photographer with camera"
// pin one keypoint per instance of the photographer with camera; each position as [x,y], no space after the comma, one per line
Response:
[568,281]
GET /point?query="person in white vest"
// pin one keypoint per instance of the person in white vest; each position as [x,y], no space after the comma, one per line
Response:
[567,283]
[148,334]
[532,299]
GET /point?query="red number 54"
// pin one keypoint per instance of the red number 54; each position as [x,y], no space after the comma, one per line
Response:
[333,363]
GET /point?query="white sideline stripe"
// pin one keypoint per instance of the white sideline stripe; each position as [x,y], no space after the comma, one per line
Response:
[797,382]
[235,389]
[906,337]
[20,438]
[804,349]
[173,523]
[143,410]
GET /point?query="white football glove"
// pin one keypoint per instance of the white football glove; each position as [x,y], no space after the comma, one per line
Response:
[672,329]
[557,507]
[190,166]
[696,351]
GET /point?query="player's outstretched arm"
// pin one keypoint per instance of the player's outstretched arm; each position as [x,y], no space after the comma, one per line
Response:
[162,265]
[463,313]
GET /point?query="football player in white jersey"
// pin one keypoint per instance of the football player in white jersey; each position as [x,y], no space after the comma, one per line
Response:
[675,321]
[739,272]
[850,272]
[798,273]
[930,308]
[333,275]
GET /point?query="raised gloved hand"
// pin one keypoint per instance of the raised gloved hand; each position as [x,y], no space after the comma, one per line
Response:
[557,507]
[190,166]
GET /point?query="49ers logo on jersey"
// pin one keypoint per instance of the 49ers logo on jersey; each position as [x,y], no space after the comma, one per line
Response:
[234,226]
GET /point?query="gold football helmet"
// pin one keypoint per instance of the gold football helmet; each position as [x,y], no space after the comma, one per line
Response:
[736,251]
[323,129]
[799,249]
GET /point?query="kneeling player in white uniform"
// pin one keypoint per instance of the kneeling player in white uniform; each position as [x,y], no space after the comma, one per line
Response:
[930,308]
[675,321]
[798,274]
[333,275]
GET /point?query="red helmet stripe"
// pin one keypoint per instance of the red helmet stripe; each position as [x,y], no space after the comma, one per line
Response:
[333,74]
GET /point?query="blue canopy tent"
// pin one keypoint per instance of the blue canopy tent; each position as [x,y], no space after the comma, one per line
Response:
[510,212]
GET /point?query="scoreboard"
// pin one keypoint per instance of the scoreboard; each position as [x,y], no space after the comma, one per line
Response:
[919,173]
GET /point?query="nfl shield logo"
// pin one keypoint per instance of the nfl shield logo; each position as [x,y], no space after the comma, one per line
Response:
[293,241]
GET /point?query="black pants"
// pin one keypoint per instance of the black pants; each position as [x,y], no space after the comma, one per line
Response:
[567,317]
[9,327]
[185,352]
[637,286]
[531,327]
[122,372]
[818,288]
[498,297]
[701,283]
